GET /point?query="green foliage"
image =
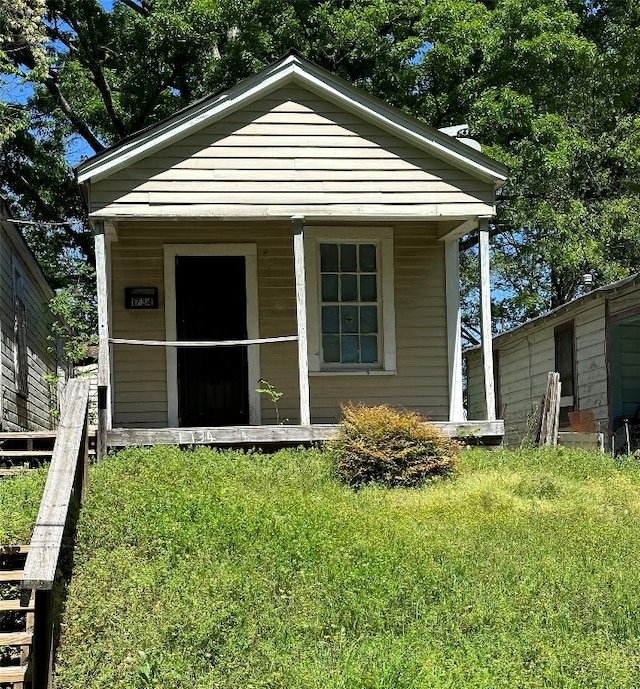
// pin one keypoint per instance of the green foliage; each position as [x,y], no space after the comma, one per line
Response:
[75,311]
[545,103]
[19,503]
[146,670]
[391,447]
[22,30]
[548,86]
[235,571]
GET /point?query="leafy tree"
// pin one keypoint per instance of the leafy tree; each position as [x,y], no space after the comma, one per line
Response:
[551,87]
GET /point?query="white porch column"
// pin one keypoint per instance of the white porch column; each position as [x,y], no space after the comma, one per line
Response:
[485,314]
[104,358]
[301,314]
[454,339]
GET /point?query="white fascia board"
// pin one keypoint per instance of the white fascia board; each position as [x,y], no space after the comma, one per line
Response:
[397,123]
[184,123]
[323,83]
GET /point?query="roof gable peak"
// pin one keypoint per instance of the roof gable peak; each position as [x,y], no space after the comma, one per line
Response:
[292,68]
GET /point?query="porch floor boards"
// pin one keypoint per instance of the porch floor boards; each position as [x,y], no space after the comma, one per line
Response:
[487,432]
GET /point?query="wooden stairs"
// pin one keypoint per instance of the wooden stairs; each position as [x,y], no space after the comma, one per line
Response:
[24,450]
[19,452]
[28,598]
[16,619]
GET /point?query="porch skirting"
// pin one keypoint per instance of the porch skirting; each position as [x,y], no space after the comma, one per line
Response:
[480,432]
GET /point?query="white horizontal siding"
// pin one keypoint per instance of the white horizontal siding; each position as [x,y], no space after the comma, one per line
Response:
[527,356]
[626,299]
[421,383]
[290,154]
[591,362]
[35,411]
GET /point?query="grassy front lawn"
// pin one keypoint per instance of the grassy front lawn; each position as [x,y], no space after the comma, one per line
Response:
[205,570]
[19,503]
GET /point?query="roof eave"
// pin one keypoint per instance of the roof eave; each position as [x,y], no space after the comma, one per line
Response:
[575,304]
[292,68]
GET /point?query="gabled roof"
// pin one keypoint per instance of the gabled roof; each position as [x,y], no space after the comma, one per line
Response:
[292,69]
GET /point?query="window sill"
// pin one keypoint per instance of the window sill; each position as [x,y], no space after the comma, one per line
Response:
[375,372]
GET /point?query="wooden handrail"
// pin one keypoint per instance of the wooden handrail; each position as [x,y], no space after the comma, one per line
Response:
[66,482]
[67,471]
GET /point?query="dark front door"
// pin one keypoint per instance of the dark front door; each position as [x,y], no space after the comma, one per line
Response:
[211,304]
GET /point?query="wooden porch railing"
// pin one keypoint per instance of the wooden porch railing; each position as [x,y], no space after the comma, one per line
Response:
[62,496]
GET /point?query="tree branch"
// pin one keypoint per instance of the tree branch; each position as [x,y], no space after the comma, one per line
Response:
[80,126]
[93,63]
[140,9]
[470,336]
[83,240]
[472,239]
[145,110]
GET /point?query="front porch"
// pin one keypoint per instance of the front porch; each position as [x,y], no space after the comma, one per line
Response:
[271,436]
[313,396]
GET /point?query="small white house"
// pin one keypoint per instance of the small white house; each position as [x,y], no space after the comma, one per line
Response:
[593,342]
[26,398]
[293,229]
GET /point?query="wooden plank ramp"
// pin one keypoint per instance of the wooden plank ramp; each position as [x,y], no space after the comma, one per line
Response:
[28,618]
[62,497]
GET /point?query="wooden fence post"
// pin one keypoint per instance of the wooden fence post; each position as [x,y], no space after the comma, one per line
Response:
[550,418]
[101,435]
[42,654]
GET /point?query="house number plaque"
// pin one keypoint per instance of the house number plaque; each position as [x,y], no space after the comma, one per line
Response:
[141,297]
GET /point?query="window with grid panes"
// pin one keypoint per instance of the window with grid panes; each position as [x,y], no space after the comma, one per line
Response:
[350,304]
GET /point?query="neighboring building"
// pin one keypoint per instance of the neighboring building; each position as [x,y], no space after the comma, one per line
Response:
[593,342]
[27,400]
[291,206]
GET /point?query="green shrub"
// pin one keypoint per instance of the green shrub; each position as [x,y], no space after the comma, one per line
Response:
[396,448]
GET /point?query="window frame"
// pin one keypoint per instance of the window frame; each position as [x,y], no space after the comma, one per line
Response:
[382,237]
[564,337]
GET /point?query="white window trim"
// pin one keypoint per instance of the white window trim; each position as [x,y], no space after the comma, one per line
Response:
[250,253]
[383,237]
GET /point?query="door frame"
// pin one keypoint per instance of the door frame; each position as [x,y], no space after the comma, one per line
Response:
[250,254]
